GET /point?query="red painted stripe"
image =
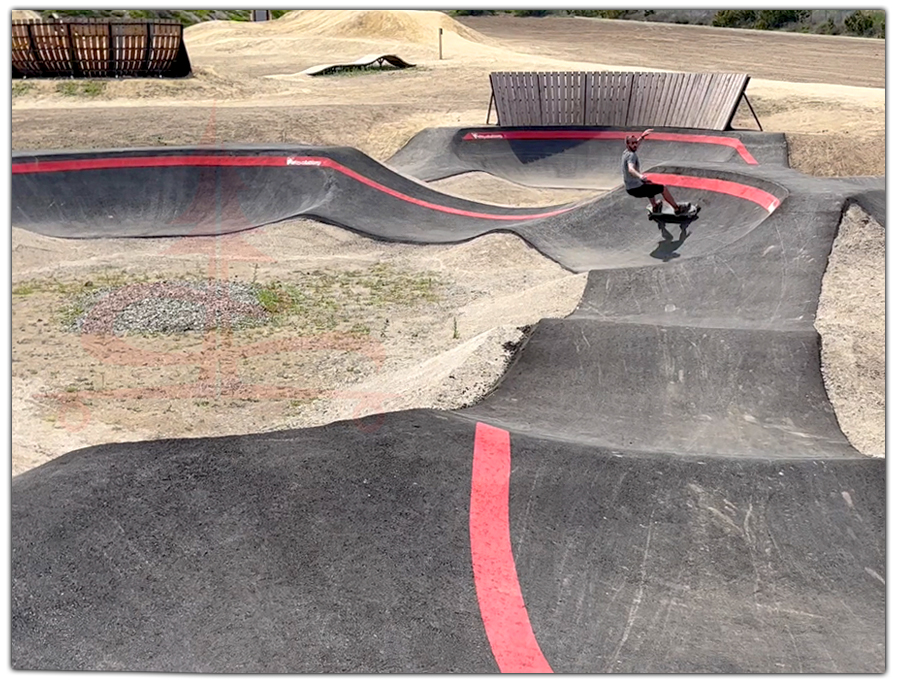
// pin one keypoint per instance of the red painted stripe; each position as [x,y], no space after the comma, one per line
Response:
[144,162]
[766,200]
[438,207]
[223,160]
[615,135]
[500,599]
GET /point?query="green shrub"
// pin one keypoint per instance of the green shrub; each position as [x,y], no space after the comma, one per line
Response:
[869,23]
[734,18]
[768,20]
[828,28]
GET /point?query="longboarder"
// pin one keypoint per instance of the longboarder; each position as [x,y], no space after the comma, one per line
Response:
[639,185]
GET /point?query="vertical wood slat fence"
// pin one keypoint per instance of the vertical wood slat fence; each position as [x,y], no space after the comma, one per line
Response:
[98,48]
[608,98]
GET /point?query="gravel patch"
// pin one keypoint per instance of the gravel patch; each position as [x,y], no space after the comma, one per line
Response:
[169,307]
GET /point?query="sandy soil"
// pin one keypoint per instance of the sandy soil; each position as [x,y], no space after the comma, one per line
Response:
[851,320]
[448,344]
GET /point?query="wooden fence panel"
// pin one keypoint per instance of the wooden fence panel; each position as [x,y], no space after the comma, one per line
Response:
[717,101]
[696,97]
[98,48]
[731,90]
[618,90]
[49,45]
[167,41]
[653,111]
[640,99]
[23,56]
[674,90]
[682,111]
[506,98]
[637,105]
[92,49]
[562,98]
[528,88]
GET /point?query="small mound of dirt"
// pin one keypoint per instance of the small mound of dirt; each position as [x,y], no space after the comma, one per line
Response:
[411,26]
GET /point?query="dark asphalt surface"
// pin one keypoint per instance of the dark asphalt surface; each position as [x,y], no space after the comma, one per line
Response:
[658,484]
[582,158]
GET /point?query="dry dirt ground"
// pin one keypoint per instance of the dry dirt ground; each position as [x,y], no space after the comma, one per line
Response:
[387,326]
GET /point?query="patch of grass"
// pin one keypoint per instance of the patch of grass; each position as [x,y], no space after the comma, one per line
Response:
[53,286]
[350,301]
[353,71]
[75,294]
[353,302]
[81,88]
[389,286]
[21,88]
[273,300]
[24,289]
[71,312]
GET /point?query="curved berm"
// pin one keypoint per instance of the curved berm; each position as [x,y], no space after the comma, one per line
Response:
[657,485]
[584,157]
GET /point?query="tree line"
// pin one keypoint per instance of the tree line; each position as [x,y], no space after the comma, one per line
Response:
[865,23]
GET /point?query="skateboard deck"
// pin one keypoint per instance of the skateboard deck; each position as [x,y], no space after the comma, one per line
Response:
[667,215]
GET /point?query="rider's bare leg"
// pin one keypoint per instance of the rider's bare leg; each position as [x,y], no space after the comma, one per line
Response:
[668,197]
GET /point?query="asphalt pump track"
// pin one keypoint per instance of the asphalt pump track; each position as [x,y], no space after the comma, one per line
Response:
[657,484]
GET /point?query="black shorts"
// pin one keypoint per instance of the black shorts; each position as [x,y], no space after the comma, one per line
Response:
[646,190]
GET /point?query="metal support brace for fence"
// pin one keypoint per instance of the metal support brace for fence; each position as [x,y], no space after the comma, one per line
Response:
[111,65]
[147,50]
[491,104]
[73,57]
[34,51]
[747,100]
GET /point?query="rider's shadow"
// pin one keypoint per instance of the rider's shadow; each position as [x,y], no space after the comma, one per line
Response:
[667,248]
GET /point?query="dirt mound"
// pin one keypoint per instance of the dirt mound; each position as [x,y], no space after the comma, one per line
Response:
[851,321]
[410,26]
[22,15]
[212,32]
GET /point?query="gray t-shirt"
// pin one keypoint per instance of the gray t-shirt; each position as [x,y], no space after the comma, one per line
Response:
[629,157]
